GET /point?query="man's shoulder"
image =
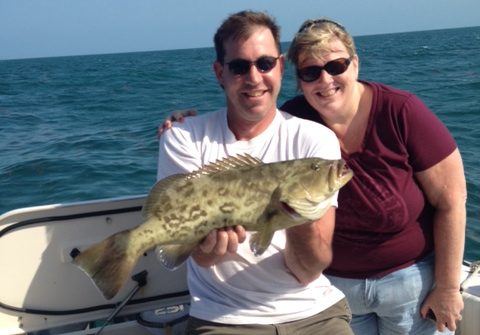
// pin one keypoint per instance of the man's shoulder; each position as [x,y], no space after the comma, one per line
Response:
[308,138]
[304,124]
[205,118]
[198,124]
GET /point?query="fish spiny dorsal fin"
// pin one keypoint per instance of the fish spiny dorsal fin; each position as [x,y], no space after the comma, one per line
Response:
[227,163]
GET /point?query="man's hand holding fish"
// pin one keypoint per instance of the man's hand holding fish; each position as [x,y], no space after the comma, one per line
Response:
[218,243]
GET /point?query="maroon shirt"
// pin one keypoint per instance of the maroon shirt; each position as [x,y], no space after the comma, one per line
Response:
[383,221]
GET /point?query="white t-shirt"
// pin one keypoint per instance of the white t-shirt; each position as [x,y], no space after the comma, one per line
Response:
[245,288]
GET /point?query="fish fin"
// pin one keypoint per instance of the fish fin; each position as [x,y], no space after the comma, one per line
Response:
[152,199]
[227,163]
[260,240]
[108,263]
[173,255]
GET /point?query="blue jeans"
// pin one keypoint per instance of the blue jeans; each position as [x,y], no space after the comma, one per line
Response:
[391,305]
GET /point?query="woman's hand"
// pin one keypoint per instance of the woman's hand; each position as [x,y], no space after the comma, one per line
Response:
[177,116]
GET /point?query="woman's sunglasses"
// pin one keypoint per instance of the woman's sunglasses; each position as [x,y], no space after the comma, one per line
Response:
[333,68]
[240,66]
[312,23]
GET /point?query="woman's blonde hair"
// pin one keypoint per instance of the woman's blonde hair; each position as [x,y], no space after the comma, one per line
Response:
[314,37]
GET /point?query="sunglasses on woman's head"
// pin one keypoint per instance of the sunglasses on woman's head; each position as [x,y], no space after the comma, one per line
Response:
[240,66]
[311,23]
[333,68]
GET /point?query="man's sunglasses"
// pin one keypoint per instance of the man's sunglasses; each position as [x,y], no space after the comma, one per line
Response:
[240,66]
[333,68]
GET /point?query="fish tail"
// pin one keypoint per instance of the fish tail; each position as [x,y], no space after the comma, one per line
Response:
[109,263]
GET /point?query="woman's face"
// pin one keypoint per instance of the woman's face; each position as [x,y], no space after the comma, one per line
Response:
[330,94]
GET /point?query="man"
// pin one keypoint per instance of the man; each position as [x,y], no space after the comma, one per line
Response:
[233,291]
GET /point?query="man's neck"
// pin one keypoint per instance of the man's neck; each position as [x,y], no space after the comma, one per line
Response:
[245,130]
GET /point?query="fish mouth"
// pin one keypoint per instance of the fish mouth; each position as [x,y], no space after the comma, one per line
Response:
[339,173]
[343,170]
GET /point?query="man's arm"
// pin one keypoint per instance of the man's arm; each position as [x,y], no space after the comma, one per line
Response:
[309,247]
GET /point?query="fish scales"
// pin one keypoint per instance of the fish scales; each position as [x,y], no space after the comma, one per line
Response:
[181,210]
[227,198]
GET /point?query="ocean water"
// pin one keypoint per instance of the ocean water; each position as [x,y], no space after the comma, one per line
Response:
[83,128]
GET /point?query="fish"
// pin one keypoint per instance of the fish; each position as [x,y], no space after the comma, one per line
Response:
[181,210]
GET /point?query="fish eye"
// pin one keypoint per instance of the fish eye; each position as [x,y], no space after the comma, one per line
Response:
[315,166]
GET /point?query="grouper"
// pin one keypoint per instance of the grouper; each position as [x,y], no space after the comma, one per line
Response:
[182,209]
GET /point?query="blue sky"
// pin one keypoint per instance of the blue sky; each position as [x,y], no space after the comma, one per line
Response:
[44,28]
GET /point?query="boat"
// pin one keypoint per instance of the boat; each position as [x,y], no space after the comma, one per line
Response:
[42,292]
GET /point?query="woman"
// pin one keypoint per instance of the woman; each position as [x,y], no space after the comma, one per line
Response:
[400,224]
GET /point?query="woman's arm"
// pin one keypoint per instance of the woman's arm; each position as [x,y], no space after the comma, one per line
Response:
[445,188]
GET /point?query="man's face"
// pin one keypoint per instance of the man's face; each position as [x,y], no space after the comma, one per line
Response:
[252,96]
